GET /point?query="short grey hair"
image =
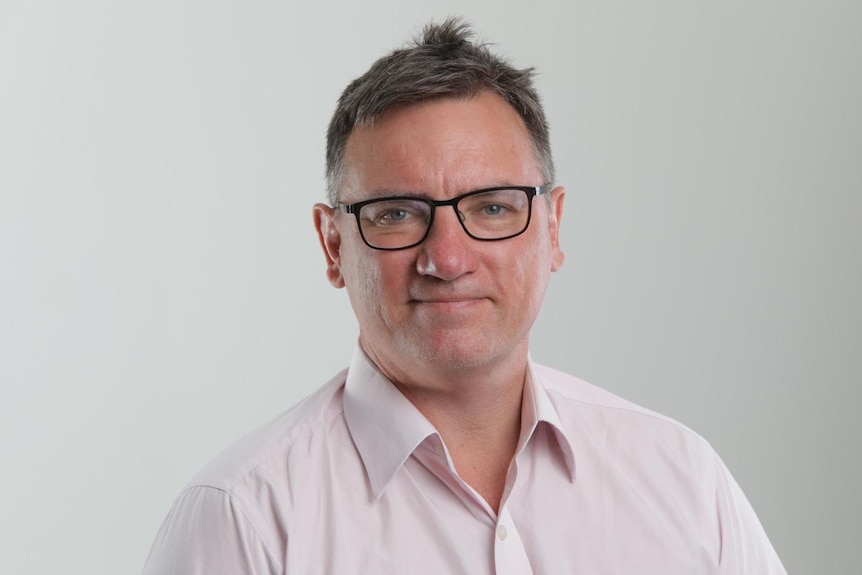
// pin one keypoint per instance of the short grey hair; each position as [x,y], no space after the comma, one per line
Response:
[441,62]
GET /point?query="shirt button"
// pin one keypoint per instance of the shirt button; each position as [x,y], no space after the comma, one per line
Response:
[501,532]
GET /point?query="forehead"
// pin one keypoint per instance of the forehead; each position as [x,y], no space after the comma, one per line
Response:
[441,148]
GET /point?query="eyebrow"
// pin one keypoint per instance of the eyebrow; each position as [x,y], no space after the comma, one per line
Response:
[375,194]
[385,193]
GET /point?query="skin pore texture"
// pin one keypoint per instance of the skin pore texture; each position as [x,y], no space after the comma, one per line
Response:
[448,321]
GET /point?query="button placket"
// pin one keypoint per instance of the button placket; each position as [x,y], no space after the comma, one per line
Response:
[510,557]
[502,532]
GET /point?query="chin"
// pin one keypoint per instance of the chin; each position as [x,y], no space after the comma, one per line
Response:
[453,354]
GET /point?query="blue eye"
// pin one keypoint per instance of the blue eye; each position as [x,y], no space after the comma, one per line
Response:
[395,215]
[398,212]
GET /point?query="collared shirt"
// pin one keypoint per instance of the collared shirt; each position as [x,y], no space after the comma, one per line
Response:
[354,480]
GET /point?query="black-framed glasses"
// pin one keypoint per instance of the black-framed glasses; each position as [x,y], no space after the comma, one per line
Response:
[401,222]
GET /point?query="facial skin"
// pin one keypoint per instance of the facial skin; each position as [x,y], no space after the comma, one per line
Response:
[452,306]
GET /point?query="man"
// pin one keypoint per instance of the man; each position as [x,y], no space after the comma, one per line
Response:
[443,448]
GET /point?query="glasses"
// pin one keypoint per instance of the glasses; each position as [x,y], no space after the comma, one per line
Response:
[401,222]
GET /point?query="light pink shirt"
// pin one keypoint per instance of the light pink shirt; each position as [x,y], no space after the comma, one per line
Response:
[354,480]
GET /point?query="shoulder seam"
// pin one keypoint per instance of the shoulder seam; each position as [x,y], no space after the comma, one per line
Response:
[236,504]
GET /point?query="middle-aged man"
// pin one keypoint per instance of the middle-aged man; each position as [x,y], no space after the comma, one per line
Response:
[443,448]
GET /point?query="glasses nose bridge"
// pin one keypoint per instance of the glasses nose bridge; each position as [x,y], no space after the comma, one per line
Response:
[443,203]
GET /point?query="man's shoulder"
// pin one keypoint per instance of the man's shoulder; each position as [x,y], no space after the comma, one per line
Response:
[274,440]
[573,388]
[608,413]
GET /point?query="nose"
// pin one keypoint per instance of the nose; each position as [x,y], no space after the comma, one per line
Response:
[447,253]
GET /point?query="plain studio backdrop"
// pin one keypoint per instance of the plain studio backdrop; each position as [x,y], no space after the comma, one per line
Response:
[162,291]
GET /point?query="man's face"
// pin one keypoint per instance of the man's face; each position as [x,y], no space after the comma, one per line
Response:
[451,303]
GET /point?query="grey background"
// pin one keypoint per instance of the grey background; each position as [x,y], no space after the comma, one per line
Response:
[162,291]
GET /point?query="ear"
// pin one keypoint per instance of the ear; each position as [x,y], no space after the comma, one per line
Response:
[330,241]
[558,194]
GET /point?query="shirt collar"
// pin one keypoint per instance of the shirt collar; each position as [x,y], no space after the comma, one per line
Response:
[387,428]
[537,407]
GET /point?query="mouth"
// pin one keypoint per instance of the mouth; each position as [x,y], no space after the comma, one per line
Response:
[449,298]
[448,304]
[446,299]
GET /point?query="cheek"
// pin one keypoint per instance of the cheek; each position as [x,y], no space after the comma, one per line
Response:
[374,284]
[362,278]
[531,274]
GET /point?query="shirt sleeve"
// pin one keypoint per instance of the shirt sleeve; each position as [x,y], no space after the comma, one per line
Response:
[207,533]
[745,547]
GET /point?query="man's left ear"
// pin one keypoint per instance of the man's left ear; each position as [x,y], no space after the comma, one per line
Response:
[558,194]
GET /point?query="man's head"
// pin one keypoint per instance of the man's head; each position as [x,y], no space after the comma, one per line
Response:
[441,63]
[455,300]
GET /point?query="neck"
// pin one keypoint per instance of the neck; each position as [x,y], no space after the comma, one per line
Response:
[479,419]
[475,409]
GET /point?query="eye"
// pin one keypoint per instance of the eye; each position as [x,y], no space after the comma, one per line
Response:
[390,213]
[494,205]
[493,209]
[394,215]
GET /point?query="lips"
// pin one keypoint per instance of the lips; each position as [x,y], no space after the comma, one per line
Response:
[447,296]
[447,299]
[443,298]
[448,305]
